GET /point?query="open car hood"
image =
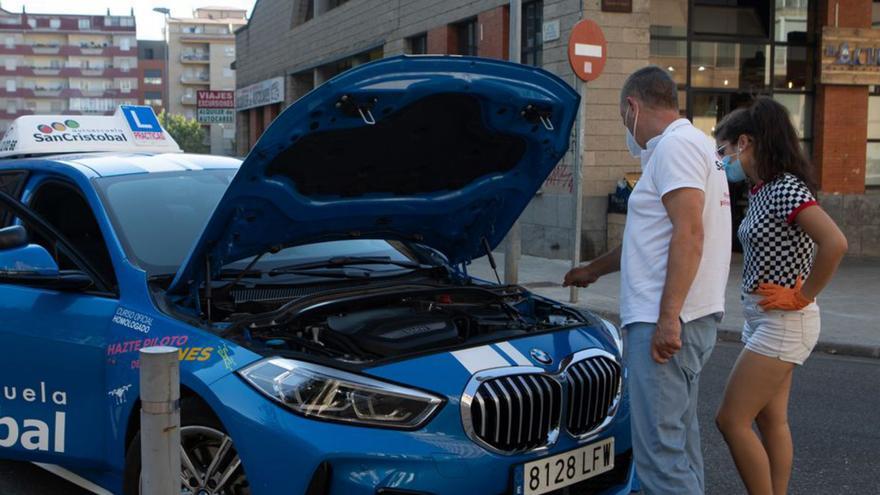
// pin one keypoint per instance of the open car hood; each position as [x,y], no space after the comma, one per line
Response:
[440,150]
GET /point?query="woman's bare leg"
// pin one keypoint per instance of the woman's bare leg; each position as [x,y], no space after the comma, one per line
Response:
[776,437]
[755,382]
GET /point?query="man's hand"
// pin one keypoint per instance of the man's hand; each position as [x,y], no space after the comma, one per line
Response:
[581,276]
[666,340]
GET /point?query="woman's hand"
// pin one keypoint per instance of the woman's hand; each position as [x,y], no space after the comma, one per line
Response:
[784,298]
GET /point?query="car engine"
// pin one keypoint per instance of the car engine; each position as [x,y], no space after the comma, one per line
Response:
[386,325]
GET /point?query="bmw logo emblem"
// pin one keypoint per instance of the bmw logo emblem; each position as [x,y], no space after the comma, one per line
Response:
[540,356]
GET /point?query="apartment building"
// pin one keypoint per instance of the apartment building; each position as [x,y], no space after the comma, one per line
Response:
[151,74]
[71,64]
[201,50]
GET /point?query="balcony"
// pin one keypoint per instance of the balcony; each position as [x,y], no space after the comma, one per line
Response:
[188,100]
[194,58]
[195,79]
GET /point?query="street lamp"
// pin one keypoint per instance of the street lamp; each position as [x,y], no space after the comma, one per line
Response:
[167,13]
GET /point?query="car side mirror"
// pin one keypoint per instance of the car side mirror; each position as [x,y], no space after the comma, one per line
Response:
[30,264]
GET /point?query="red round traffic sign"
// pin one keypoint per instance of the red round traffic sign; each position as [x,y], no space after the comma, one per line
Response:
[587,50]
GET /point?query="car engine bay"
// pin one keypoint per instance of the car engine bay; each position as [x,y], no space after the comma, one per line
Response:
[364,326]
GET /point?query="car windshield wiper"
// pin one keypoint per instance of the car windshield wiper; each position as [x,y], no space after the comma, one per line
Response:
[343,261]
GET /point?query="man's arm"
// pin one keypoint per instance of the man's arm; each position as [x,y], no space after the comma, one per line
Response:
[583,276]
[685,209]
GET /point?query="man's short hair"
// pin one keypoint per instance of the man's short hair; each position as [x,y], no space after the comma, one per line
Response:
[652,86]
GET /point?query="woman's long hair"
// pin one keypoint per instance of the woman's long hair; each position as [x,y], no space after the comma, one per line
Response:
[777,147]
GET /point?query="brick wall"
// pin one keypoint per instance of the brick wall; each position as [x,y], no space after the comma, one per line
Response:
[442,40]
[840,143]
[493,27]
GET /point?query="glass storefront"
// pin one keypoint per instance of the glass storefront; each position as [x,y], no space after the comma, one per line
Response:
[723,54]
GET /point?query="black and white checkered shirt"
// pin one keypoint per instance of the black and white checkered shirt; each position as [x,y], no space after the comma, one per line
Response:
[775,248]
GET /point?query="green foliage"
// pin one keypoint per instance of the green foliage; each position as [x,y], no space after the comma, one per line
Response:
[188,133]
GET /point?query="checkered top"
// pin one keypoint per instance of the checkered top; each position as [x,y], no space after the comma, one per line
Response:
[775,248]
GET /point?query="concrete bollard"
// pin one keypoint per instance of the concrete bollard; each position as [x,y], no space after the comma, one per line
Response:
[160,421]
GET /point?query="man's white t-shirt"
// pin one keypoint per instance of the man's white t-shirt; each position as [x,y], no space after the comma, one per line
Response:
[680,157]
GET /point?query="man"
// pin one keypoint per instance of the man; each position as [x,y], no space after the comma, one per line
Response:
[674,264]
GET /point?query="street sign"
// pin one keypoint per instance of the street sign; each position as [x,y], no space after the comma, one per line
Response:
[587,50]
[215,107]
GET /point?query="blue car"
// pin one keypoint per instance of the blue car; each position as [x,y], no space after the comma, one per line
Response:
[330,338]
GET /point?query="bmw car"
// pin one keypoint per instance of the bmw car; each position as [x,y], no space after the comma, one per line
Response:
[330,338]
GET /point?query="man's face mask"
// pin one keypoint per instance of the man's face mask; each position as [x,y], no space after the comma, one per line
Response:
[634,149]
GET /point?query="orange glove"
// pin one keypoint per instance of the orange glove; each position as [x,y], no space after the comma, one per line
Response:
[784,298]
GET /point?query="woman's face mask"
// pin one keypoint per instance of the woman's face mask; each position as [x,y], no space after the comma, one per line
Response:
[733,165]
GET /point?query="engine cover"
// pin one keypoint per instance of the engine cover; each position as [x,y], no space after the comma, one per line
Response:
[391,331]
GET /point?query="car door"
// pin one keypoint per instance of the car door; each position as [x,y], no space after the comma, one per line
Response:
[53,393]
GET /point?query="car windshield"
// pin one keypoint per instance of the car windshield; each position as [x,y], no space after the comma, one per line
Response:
[159,216]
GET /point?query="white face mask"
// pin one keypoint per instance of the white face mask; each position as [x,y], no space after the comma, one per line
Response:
[634,149]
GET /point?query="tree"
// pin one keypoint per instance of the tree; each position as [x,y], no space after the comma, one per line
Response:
[188,133]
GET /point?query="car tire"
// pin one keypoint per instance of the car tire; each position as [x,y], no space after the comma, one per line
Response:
[203,437]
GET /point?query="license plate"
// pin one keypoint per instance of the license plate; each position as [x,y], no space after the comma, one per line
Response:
[561,470]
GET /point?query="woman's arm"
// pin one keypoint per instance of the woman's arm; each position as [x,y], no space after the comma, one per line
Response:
[831,244]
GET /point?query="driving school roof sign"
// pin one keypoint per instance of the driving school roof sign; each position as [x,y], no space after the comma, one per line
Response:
[132,128]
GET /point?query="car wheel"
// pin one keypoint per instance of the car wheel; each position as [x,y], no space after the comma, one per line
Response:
[209,462]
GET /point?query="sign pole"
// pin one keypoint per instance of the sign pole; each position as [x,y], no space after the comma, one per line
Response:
[587,54]
[514,241]
[576,189]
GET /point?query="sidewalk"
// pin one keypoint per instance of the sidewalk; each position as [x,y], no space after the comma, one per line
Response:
[850,305]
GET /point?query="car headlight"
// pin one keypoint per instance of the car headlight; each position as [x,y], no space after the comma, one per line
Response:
[322,392]
[615,335]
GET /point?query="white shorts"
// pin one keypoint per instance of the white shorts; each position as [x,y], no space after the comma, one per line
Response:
[787,335]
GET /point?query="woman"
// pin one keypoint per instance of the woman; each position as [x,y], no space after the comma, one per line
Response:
[791,250]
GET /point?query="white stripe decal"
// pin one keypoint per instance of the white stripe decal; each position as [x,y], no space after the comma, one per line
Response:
[514,354]
[73,478]
[584,50]
[480,358]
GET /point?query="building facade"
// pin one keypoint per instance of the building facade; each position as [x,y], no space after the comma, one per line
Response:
[70,64]
[721,54]
[151,74]
[201,50]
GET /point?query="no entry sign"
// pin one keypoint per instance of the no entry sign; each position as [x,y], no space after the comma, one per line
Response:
[587,50]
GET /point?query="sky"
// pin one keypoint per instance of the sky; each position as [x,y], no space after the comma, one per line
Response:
[149,23]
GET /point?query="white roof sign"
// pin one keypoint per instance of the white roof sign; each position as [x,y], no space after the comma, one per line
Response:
[132,129]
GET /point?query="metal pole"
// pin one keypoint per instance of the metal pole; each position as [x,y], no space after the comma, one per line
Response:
[160,421]
[167,68]
[514,241]
[576,189]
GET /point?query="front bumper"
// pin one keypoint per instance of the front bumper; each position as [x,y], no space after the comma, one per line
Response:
[283,453]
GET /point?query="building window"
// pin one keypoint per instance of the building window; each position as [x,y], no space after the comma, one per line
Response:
[85,23]
[229,51]
[742,18]
[127,22]
[418,44]
[56,106]
[532,33]
[10,42]
[10,85]
[10,64]
[467,37]
[152,76]
[54,23]
[125,85]
[32,23]
[872,172]
[125,44]
[332,4]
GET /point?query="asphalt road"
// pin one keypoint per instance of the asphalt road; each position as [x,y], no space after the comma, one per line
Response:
[835,418]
